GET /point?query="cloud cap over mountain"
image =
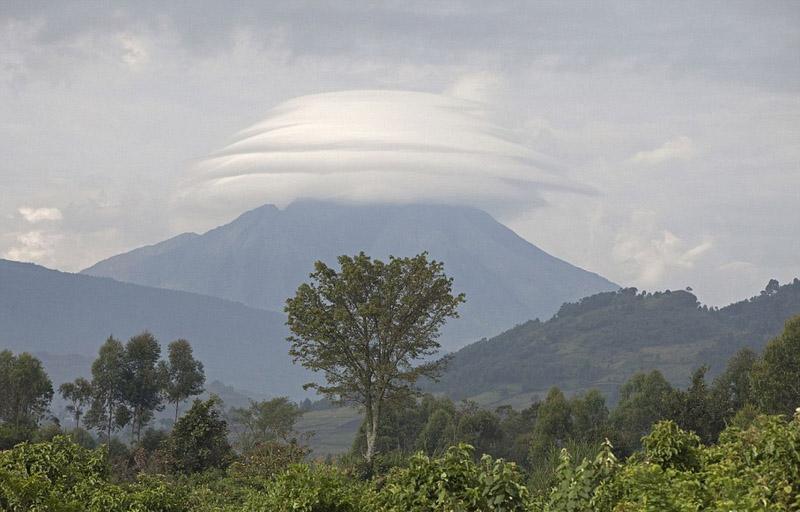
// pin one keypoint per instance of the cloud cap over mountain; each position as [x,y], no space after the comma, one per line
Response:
[375,145]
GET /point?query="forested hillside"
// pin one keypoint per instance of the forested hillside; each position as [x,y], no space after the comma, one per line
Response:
[600,341]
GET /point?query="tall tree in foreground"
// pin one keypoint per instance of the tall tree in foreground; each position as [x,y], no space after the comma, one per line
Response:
[184,374]
[367,326]
[79,395]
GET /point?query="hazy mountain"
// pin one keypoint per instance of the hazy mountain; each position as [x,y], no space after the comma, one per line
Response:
[261,257]
[600,341]
[66,317]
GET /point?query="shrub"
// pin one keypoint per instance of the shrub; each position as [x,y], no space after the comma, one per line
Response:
[259,464]
[310,488]
[453,482]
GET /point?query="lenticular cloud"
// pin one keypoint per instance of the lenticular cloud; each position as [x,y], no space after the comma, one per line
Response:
[395,146]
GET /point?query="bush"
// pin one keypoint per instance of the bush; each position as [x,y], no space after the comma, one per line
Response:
[310,488]
[60,476]
[453,482]
[265,460]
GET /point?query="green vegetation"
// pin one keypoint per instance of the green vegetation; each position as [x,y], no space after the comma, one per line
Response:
[367,326]
[731,442]
[602,340]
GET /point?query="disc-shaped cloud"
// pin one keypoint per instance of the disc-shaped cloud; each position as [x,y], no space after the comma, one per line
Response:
[374,146]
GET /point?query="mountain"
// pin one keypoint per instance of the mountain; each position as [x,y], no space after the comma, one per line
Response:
[261,257]
[66,317]
[600,341]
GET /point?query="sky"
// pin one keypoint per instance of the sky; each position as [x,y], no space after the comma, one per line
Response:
[655,143]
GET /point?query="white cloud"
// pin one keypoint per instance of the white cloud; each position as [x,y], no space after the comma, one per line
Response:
[134,50]
[35,215]
[679,148]
[651,252]
[376,145]
[482,86]
[33,246]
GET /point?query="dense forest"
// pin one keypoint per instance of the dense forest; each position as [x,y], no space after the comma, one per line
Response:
[600,341]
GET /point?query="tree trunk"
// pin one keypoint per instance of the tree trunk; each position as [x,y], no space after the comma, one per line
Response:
[372,432]
[177,402]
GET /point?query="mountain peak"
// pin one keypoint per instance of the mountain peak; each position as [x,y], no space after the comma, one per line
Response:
[261,257]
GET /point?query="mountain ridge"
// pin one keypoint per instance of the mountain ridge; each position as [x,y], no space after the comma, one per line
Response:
[49,311]
[261,257]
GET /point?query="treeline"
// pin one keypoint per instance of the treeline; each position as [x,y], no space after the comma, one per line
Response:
[129,383]
[532,437]
[711,446]
[602,340]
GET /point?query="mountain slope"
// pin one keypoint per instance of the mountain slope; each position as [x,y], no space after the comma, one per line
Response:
[600,341]
[58,313]
[261,257]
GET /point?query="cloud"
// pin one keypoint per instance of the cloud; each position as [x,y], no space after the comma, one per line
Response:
[375,145]
[651,252]
[33,246]
[679,148]
[35,215]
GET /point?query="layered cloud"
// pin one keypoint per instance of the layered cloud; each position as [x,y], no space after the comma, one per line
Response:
[375,145]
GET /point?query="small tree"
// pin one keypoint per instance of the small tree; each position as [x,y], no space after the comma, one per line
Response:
[25,390]
[79,395]
[269,420]
[776,376]
[367,325]
[199,440]
[184,374]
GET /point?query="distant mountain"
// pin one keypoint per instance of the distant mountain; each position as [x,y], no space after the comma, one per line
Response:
[600,341]
[261,257]
[66,317]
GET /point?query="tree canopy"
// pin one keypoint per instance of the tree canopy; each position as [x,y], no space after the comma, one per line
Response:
[371,328]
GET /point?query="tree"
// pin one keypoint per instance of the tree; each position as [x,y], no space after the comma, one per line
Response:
[644,399]
[25,390]
[199,440]
[268,420]
[367,325]
[144,382]
[776,376]
[79,395]
[184,374]
[733,389]
[109,376]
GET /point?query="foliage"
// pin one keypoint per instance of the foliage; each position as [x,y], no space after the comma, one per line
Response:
[199,440]
[775,374]
[60,476]
[109,374]
[367,325]
[753,469]
[265,421]
[25,391]
[309,488]
[79,395]
[604,339]
[184,375]
[264,460]
[453,482]
[144,380]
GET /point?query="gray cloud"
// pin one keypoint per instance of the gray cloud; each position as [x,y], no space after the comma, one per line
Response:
[108,113]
